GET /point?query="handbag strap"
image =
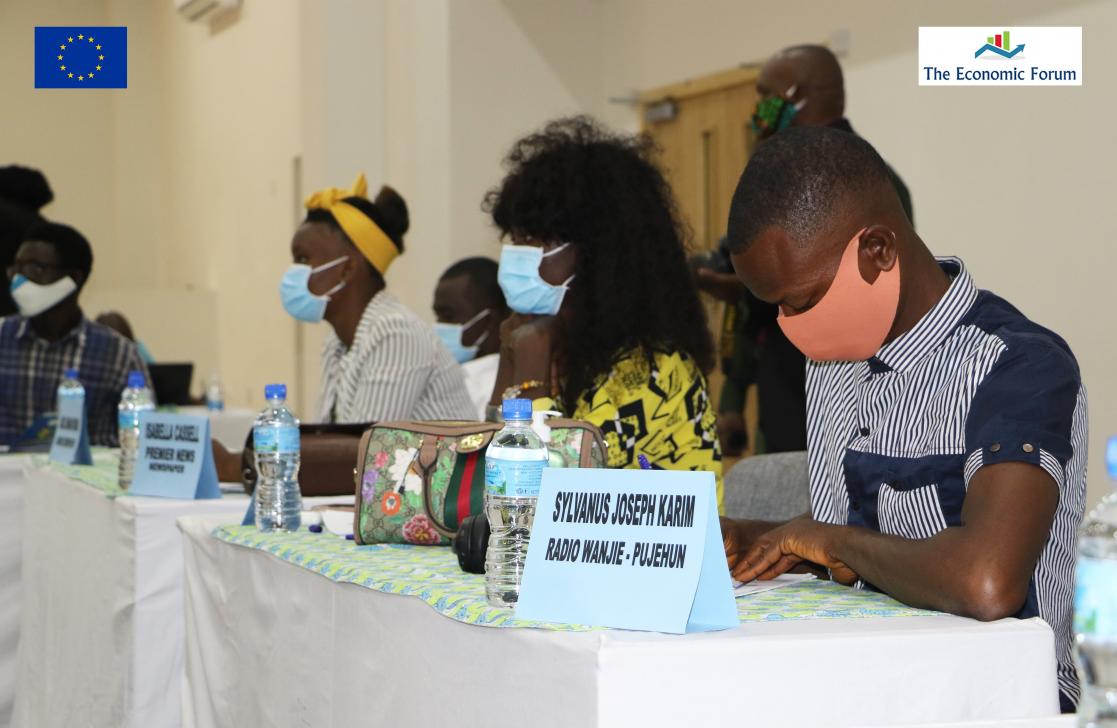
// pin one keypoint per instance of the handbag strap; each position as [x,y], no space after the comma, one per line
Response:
[591,434]
[466,492]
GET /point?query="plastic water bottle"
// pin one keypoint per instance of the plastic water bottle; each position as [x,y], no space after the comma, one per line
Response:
[135,398]
[514,463]
[70,387]
[1095,608]
[275,438]
[215,395]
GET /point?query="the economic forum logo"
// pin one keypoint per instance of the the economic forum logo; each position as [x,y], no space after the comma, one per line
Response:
[999,44]
[947,57]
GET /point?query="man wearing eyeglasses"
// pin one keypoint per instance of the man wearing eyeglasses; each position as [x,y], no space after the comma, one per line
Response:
[51,335]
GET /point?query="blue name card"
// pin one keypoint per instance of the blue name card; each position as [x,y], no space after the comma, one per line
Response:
[175,458]
[631,549]
[70,445]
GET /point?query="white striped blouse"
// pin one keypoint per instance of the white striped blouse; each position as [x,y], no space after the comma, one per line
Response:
[396,369]
[895,440]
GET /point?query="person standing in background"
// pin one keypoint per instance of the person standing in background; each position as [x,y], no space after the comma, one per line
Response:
[23,193]
[469,307]
[798,86]
[51,335]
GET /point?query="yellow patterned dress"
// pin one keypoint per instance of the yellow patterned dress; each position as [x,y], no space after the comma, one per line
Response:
[659,409]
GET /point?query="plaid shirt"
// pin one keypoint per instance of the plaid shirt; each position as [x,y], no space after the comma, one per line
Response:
[32,368]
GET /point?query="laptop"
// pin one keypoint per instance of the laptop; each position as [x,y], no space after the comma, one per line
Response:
[171,383]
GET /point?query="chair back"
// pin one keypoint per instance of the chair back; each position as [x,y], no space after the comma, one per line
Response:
[768,487]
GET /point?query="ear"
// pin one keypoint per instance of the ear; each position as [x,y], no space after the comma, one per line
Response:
[876,251]
[79,278]
[349,269]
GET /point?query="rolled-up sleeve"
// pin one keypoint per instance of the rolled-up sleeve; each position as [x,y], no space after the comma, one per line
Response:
[1025,410]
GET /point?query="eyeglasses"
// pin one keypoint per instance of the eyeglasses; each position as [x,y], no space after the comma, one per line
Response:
[31,269]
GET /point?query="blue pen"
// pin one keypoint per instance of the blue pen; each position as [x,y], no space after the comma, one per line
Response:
[644,464]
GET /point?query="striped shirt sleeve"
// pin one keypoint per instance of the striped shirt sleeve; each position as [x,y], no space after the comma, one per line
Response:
[392,376]
[1024,411]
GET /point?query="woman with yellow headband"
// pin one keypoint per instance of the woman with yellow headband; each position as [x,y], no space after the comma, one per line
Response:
[381,362]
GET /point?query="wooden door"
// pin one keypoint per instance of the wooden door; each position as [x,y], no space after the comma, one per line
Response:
[705,145]
[702,128]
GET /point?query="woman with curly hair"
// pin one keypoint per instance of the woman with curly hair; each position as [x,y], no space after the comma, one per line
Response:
[607,326]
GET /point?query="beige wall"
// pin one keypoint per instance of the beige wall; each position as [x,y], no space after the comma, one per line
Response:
[67,134]
[513,69]
[231,115]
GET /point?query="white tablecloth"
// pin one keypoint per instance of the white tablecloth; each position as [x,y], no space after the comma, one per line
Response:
[102,631]
[272,644]
[11,530]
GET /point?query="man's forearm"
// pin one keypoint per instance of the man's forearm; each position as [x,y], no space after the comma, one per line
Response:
[947,572]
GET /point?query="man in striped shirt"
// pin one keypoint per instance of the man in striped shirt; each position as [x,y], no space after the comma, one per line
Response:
[946,431]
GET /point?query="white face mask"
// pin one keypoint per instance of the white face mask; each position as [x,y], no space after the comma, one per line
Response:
[33,298]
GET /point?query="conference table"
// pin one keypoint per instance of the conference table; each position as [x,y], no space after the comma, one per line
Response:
[229,427]
[308,629]
[12,475]
[101,635]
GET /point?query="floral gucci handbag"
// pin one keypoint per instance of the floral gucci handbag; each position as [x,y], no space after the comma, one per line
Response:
[417,481]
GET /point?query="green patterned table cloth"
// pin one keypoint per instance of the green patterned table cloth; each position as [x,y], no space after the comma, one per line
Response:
[102,474]
[431,573]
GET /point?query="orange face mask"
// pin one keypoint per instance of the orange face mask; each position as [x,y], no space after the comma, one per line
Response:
[852,320]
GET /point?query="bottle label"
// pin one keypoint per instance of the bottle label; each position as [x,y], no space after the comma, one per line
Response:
[279,440]
[513,478]
[128,419]
[1095,597]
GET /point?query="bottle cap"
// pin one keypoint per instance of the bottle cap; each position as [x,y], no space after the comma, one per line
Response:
[275,391]
[70,374]
[136,379]
[1111,457]
[516,409]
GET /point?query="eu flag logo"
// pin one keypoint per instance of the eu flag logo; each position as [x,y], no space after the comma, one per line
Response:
[81,57]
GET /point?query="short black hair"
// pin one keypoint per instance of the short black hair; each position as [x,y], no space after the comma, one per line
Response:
[796,179]
[25,187]
[72,247]
[482,274]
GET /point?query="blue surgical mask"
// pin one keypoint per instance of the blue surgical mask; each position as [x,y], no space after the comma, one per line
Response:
[524,289]
[294,291]
[451,336]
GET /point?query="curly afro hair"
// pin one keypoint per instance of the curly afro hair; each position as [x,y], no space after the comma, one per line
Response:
[576,182]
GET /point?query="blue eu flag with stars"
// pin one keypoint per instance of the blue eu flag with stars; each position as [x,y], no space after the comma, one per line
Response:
[81,57]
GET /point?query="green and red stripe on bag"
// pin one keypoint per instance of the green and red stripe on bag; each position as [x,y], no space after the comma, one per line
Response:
[417,481]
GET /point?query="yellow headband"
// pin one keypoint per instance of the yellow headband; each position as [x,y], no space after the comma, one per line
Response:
[373,242]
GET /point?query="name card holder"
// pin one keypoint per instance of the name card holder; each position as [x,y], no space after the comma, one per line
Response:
[70,445]
[175,458]
[630,549]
